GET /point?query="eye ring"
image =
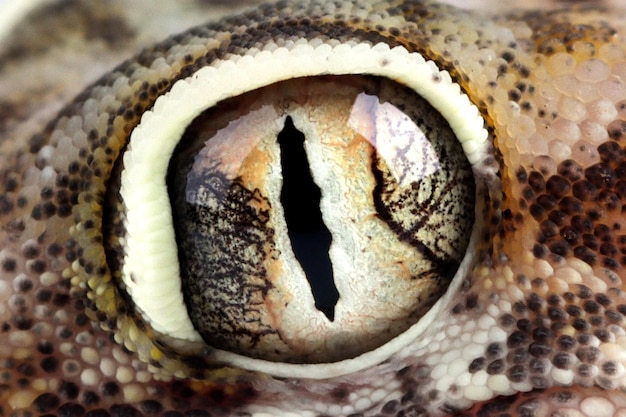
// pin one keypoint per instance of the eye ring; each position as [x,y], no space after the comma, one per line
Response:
[174,111]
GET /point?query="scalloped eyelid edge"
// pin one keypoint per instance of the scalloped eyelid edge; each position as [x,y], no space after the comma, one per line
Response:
[150,247]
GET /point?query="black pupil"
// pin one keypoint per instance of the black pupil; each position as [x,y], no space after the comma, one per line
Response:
[309,236]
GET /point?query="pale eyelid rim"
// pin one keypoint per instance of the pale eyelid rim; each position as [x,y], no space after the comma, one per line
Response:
[13,13]
[148,212]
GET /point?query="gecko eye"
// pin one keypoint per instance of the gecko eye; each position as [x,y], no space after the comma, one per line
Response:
[317,218]
[300,220]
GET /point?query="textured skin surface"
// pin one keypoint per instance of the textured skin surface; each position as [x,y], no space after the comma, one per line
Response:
[538,325]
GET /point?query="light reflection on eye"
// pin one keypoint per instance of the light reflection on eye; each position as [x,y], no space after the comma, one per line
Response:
[306,221]
[389,130]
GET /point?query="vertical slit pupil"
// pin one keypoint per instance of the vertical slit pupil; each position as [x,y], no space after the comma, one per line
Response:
[309,236]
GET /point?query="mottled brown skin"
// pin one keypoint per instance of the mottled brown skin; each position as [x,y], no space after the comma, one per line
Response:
[548,271]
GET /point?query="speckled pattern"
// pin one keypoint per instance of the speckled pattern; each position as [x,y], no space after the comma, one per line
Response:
[538,323]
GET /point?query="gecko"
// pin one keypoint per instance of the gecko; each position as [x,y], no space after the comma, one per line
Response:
[466,175]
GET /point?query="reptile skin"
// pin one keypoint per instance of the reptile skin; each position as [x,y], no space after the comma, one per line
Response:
[536,326]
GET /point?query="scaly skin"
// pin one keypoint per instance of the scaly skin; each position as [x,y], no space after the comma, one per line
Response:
[536,326]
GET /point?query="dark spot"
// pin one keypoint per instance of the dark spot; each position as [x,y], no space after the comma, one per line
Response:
[566,342]
[570,235]
[613,317]
[558,217]
[340,393]
[81,319]
[9,265]
[529,408]
[536,182]
[23,323]
[603,299]
[476,365]
[517,356]
[584,370]
[151,407]
[38,266]
[525,325]
[68,390]
[534,302]
[586,255]
[540,251]
[496,367]
[549,229]
[49,364]
[71,410]
[471,301]
[536,366]
[556,314]
[538,382]
[517,339]
[539,350]
[43,295]
[26,369]
[609,368]
[391,407]
[125,411]
[570,170]
[528,194]
[561,360]
[25,285]
[584,190]
[617,129]
[537,211]
[90,398]
[46,402]
[494,350]
[65,332]
[61,300]
[508,56]
[30,251]
[521,175]
[110,389]
[45,347]
[603,335]
[515,95]
[542,334]
[584,338]
[584,292]
[587,354]
[562,396]
[601,176]
[197,413]
[557,186]
[580,324]
[98,413]
[561,248]
[507,320]
[571,206]
[596,321]
[516,373]
[610,152]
